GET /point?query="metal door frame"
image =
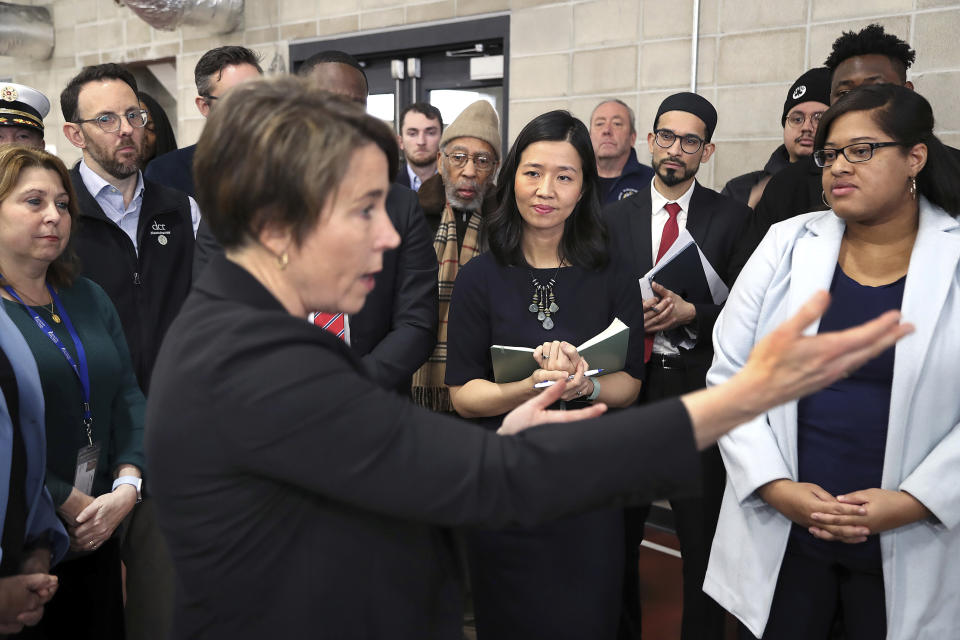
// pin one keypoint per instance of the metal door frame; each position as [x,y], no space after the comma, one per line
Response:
[407,40]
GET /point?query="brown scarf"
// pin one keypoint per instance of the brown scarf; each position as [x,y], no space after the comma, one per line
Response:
[428,388]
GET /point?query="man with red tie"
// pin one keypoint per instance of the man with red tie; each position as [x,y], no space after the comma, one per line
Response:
[642,229]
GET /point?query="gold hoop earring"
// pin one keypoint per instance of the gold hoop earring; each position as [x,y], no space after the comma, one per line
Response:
[282,260]
[823,196]
[913,187]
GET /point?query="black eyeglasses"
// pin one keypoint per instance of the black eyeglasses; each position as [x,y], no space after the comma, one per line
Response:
[210,98]
[797,119]
[688,143]
[857,152]
[483,162]
[110,122]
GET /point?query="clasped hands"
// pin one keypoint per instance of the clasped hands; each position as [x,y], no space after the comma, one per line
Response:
[557,360]
[666,311]
[23,596]
[91,521]
[848,518]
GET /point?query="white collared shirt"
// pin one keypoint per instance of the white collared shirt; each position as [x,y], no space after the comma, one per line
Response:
[659,215]
[658,219]
[415,181]
[110,199]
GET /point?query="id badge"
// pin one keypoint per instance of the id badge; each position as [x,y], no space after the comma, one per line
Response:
[87,459]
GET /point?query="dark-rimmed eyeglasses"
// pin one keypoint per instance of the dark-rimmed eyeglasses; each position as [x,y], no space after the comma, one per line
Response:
[689,143]
[796,119]
[210,99]
[110,122]
[856,152]
[482,161]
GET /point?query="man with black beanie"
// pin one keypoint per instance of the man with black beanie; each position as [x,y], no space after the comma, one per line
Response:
[806,101]
[870,56]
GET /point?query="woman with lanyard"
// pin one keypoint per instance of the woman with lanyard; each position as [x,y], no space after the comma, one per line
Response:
[93,406]
[547,283]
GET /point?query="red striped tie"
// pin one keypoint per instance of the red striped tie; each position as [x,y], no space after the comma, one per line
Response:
[671,230]
[332,322]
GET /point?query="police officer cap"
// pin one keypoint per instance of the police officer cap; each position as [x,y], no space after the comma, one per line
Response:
[691,103]
[22,106]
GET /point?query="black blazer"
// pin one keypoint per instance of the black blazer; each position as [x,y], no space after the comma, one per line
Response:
[299,498]
[174,170]
[396,330]
[402,178]
[715,222]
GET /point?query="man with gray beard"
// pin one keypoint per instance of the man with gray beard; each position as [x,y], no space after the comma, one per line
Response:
[455,201]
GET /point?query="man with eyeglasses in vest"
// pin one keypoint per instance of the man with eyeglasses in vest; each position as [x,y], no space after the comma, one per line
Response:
[136,240]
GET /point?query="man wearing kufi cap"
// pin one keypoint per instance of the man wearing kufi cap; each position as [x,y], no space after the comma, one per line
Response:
[807,99]
[455,201]
[679,325]
[22,110]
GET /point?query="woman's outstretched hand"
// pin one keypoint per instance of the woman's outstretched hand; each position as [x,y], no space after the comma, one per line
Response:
[786,364]
[534,411]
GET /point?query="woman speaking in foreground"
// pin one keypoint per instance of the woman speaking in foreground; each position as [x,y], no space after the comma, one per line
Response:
[300,500]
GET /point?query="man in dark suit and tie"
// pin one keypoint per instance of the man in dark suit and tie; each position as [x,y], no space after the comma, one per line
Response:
[643,227]
[396,330]
[217,71]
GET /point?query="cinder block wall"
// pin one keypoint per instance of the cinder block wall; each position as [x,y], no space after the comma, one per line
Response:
[564,54]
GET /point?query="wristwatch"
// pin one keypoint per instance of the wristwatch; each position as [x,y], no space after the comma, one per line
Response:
[596,390]
[134,481]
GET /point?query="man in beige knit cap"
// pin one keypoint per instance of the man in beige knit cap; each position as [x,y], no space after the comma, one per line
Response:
[454,201]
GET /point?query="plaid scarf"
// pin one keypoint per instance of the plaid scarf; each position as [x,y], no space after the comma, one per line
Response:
[428,388]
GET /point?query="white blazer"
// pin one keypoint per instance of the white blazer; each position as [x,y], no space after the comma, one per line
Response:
[921,561]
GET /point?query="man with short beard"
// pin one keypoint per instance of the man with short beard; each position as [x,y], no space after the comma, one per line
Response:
[455,201]
[136,237]
[420,127]
[642,228]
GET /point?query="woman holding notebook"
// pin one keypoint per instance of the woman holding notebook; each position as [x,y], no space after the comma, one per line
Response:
[546,283]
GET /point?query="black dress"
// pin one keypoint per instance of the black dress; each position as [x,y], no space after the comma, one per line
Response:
[561,579]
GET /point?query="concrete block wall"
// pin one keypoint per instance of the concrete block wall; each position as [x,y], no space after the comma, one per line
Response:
[564,54]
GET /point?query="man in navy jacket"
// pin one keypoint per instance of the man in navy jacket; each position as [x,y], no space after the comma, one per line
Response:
[613,131]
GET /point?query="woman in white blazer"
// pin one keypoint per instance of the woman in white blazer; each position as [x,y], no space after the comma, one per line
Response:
[779,561]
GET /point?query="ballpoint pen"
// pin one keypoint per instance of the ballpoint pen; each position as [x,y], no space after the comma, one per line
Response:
[549,383]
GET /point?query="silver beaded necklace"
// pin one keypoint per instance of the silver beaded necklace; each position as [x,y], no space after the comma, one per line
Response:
[544,302]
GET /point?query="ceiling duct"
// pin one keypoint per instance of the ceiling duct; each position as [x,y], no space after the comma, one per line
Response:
[25,32]
[220,16]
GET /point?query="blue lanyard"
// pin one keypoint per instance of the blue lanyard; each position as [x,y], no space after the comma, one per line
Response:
[83,373]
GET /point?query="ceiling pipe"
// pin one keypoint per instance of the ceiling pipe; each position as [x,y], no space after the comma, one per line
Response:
[26,32]
[220,16]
